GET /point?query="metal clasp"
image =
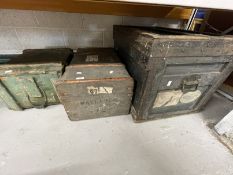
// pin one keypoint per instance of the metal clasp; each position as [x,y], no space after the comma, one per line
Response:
[190,83]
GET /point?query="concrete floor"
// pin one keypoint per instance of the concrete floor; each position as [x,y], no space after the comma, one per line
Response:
[45,142]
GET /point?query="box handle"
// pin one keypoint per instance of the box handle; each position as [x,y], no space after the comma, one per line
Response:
[190,84]
[43,98]
[34,92]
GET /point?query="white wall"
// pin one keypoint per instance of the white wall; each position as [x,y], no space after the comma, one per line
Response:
[21,29]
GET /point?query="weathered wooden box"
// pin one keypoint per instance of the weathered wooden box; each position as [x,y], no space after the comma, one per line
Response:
[175,71]
[26,80]
[95,84]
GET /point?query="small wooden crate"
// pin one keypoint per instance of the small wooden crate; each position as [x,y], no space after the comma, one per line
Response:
[95,84]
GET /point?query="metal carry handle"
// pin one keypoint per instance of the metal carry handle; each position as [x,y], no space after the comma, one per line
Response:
[43,97]
[34,92]
[190,84]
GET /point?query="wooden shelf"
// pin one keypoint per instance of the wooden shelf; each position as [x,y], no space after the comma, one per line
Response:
[216,4]
[99,7]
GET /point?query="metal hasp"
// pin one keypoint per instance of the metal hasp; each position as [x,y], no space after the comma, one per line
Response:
[27,80]
[175,71]
[95,84]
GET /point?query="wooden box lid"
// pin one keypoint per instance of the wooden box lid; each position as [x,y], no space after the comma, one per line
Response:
[93,64]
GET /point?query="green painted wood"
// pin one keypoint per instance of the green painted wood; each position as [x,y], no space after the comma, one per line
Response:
[27,81]
[31,87]
[31,91]
[8,98]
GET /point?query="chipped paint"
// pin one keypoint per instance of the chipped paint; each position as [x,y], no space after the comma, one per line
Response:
[79,73]
[111,71]
[169,83]
[190,96]
[168,98]
[8,71]
[174,97]
[80,78]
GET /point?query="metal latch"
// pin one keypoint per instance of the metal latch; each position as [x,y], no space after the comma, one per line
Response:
[190,83]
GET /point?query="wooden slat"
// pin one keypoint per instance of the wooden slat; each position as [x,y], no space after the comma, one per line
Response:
[214,4]
[98,7]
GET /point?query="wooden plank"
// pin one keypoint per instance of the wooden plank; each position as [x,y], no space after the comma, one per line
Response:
[216,4]
[99,7]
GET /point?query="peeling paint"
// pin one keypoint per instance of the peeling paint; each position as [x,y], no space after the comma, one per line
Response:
[80,78]
[190,96]
[169,83]
[168,98]
[8,71]
[174,97]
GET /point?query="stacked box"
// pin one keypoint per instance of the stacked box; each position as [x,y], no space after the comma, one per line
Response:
[27,80]
[95,84]
[175,71]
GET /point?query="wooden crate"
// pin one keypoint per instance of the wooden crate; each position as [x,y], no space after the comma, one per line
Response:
[175,71]
[27,80]
[95,84]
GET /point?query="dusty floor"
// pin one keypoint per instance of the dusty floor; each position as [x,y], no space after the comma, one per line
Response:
[45,142]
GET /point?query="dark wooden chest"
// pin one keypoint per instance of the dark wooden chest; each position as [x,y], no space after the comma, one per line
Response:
[95,84]
[175,71]
[27,80]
